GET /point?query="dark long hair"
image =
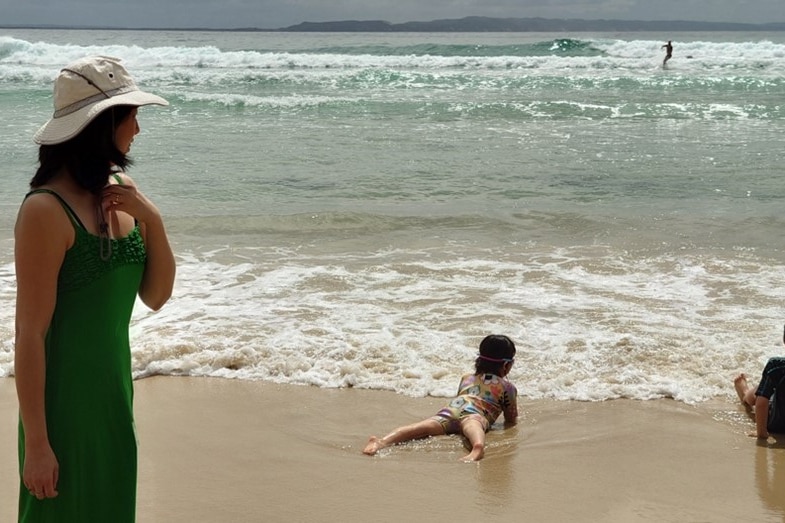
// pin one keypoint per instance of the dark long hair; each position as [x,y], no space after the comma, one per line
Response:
[89,156]
[495,351]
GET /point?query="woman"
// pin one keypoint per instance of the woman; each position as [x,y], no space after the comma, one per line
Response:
[87,241]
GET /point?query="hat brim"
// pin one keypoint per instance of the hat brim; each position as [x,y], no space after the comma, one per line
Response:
[59,130]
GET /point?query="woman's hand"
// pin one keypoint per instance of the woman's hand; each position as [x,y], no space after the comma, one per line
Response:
[128,199]
[159,272]
[41,471]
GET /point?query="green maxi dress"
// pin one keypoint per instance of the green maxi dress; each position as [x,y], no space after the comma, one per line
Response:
[89,388]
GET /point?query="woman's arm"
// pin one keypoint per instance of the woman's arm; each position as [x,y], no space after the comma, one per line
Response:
[159,272]
[42,235]
[158,279]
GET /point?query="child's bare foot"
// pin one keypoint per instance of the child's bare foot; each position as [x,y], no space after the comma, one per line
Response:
[740,384]
[742,388]
[374,445]
[477,453]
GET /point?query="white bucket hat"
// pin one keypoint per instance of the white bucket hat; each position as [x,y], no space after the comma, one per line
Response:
[83,89]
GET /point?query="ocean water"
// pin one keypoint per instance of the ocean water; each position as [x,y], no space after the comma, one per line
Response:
[359,210]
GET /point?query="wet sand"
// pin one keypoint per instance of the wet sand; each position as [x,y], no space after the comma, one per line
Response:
[228,450]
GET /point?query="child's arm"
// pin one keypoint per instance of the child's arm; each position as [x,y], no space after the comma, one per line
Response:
[761,417]
[511,415]
[510,411]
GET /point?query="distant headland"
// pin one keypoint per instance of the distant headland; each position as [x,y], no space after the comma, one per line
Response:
[471,24]
[479,24]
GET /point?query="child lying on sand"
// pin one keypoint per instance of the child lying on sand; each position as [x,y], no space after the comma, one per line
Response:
[482,397]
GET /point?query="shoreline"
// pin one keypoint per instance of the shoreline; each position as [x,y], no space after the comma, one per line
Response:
[213,449]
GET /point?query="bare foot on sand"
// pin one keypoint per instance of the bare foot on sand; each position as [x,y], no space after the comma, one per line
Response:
[740,384]
[477,453]
[743,389]
[374,445]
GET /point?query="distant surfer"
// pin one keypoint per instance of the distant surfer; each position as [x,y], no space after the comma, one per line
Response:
[668,52]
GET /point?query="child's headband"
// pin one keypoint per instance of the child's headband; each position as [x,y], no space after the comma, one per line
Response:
[495,360]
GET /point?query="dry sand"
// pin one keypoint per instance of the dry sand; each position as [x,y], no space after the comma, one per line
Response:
[214,450]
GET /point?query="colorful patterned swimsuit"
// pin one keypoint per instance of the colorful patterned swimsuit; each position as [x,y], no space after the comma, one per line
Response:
[483,396]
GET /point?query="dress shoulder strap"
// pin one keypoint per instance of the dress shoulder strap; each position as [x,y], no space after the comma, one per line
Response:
[70,212]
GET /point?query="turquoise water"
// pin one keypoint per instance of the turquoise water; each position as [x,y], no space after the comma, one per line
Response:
[360,209]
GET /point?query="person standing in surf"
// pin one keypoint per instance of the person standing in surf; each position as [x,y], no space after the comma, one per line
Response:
[482,396]
[668,52]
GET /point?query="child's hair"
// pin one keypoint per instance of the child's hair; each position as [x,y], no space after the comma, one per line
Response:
[495,351]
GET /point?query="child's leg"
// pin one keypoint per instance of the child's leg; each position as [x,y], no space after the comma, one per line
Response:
[744,390]
[422,429]
[474,431]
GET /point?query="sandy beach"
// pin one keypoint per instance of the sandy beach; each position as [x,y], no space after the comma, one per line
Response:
[240,451]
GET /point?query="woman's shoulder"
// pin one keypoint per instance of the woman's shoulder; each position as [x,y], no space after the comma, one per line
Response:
[41,200]
[49,207]
[42,218]
[122,178]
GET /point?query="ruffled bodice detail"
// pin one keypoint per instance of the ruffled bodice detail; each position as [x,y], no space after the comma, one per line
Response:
[81,266]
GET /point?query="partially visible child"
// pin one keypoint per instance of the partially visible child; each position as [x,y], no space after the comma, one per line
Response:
[482,397]
[766,401]
[761,399]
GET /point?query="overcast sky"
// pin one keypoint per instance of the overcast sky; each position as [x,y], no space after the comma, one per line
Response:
[272,14]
